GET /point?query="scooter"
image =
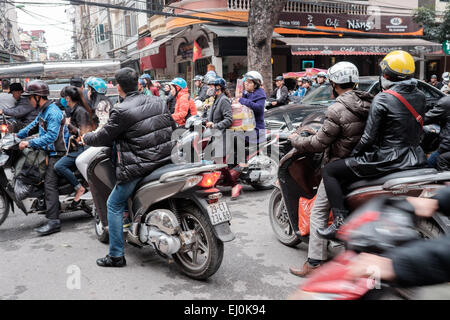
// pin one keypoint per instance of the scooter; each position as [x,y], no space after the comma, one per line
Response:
[9,155]
[378,226]
[262,162]
[175,209]
[299,177]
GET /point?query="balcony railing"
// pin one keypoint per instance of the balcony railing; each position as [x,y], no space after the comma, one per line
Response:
[309,7]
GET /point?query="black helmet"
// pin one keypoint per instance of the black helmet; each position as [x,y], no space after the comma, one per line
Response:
[76,82]
[37,88]
[279,78]
[15,87]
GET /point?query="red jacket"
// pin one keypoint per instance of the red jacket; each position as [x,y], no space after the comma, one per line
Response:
[154,91]
[184,103]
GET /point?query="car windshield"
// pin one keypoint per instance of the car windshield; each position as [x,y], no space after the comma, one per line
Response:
[322,95]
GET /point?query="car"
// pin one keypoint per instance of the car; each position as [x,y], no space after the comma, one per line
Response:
[289,117]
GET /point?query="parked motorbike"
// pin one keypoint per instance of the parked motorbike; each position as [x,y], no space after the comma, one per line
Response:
[262,162]
[175,209]
[376,227]
[9,155]
[299,177]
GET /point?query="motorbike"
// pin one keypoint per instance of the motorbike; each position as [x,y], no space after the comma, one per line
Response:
[262,162]
[299,177]
[9,155]
[375,228]
[176,210]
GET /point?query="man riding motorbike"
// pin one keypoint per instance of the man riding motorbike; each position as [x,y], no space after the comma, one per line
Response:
[391,139]
[52,133]
[23,112]
[140,129]
[200,88]
[440,115]
[342,129]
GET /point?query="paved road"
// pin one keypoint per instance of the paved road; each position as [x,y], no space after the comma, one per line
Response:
[255,264]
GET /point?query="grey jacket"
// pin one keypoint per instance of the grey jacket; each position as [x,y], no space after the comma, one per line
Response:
[6,100]
[221,113]
[23,111]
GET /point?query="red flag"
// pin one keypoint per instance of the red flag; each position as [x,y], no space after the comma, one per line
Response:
[197,52]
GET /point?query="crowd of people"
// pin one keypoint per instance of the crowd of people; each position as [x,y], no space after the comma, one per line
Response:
[362,136]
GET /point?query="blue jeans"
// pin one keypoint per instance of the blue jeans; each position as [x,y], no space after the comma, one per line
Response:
[64,165]
[117,203]
[432,160]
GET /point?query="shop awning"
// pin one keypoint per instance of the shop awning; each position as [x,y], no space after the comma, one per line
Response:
[153,48]
[359,46]
[227,31]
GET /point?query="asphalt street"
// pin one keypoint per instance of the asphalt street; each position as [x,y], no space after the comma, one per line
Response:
[255,264]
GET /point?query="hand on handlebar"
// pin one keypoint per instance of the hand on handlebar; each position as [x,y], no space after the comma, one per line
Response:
[23,145]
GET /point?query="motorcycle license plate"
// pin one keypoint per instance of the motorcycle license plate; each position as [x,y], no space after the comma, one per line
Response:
[218,213]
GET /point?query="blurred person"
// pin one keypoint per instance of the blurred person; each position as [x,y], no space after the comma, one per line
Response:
[435,82]
[77,82]
[149,85]
[171,98]
[445,83]
[184,106]
[198,85]
[281,93]
[22,111]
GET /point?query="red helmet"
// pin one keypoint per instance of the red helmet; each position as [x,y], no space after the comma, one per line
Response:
[37,88]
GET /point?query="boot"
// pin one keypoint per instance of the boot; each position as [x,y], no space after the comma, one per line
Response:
[236,191]
[305,270]
[330,232]
[52,226]
[114,262]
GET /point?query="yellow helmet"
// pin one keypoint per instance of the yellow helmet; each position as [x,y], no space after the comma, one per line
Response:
[398,65]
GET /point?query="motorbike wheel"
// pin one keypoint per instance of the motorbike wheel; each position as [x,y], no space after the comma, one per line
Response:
[100,231]
[428,229]
[207,244]
[279,220]
[267,185]
[4,207]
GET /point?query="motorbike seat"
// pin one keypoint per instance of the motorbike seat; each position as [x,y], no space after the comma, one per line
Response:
[155,175]
[395,175]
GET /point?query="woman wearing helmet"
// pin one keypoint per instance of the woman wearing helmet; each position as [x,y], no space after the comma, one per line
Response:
[149,88]
[220,115]
[99,101]
[391,139]
[184,108]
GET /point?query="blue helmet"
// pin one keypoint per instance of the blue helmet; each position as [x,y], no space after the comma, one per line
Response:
[218,81]
[180,82]
[97,84]
[146,76]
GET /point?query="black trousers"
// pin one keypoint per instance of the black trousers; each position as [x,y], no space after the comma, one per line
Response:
[335,175]
[51,190]
[443,161]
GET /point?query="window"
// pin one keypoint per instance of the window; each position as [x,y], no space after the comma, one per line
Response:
[130,25]
[101,33]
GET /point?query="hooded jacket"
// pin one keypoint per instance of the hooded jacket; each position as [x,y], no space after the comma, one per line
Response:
[141,129]
[182,107]
[342,129]
[391,139]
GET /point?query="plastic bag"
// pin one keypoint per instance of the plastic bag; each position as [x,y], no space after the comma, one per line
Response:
[304,213]
[29,172]
[23,190]
[243,118]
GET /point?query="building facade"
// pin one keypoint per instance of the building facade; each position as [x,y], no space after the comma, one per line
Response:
[10,50]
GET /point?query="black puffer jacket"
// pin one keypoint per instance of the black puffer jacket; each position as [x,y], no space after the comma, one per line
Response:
[391,139]
[440,115]
[141,128]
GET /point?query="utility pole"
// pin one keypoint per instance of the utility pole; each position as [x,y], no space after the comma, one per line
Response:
[111,42]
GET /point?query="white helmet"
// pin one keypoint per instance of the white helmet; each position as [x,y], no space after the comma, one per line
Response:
[446,77]
[255,76]
[322,74]
[343,72]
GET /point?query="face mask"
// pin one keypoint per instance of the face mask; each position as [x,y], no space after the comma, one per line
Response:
[211,92]
[63,102]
